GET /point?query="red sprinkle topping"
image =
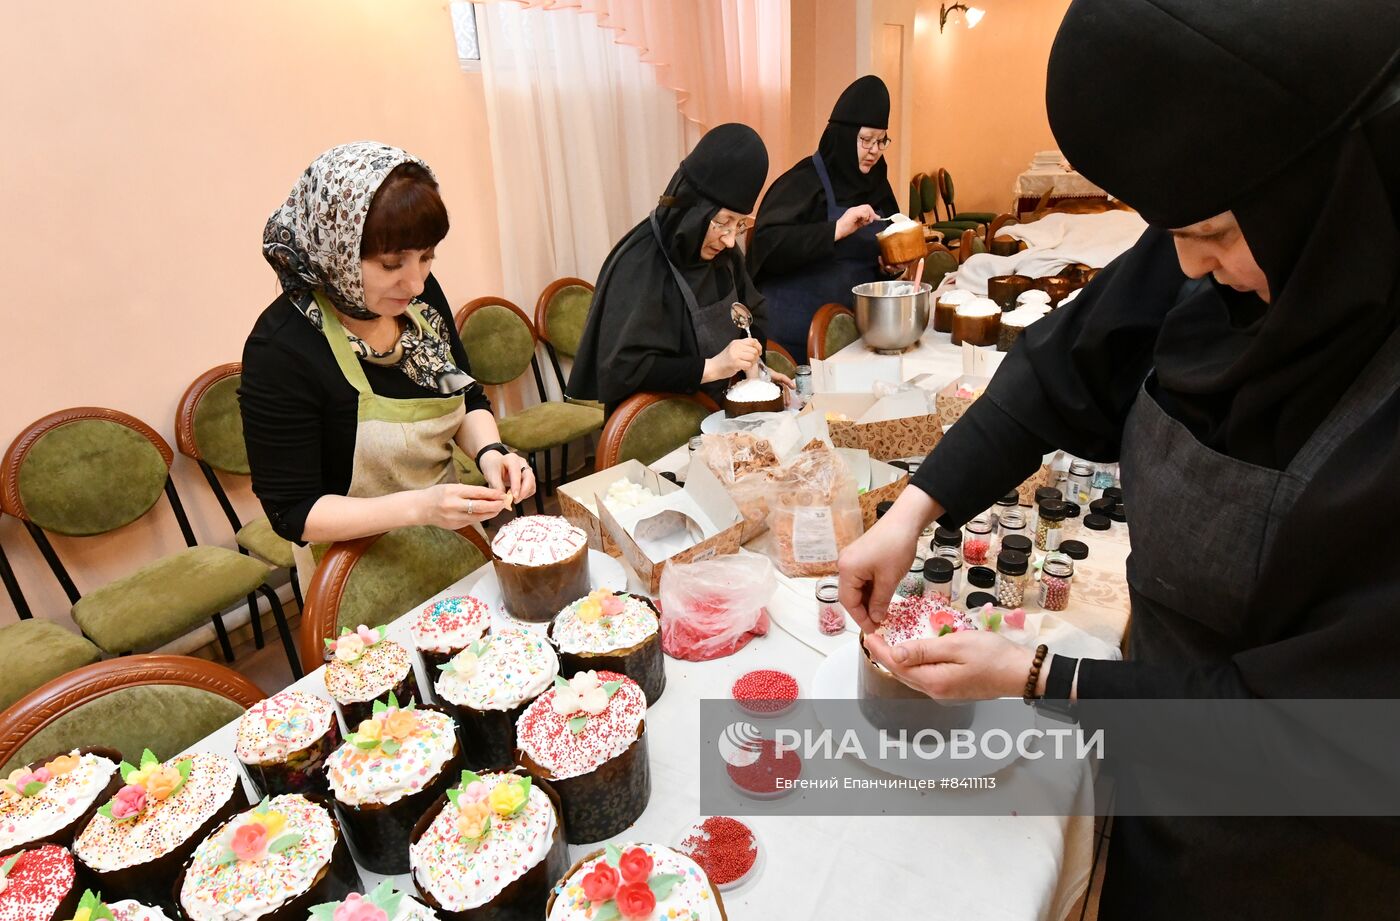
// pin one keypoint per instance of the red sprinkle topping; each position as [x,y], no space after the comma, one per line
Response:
[724,848]
[36,884]
[765,690]
[763,775]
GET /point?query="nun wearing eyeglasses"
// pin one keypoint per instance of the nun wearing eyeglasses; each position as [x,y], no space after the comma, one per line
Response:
[661,316]
[815,238]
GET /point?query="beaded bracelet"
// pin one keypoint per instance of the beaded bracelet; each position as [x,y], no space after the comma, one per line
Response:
[1034,677]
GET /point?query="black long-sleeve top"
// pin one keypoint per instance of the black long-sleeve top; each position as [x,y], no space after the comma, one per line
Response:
[300,413]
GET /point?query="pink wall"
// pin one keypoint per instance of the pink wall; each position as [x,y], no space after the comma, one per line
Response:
[979,108]
[146,143]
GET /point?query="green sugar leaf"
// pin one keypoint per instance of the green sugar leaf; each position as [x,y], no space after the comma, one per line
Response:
[662,884]
[559,682]
[608,912]
[390,747]
[577,723]
[284,842]
[613,854]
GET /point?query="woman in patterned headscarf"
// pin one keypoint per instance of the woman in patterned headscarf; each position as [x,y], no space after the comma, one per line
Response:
[355,384]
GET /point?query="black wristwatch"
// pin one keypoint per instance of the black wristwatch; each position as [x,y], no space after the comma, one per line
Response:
[494,446]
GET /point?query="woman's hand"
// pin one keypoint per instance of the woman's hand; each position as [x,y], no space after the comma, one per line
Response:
[453,506]
[856,217]
[896,269]
[782,380]
[870,568]
[968,665]
[508,473]
[739,355]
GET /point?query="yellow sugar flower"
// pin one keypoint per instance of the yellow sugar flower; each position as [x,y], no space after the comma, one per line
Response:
[273,821]
[371,729]
[589,610]
[472,819]
[83,914]
[63,764]
[506,798]
[400,724]
[162,781]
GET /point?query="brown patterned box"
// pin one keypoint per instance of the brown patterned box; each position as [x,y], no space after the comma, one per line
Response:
[722,532]
[1026,491]
[578,498]
[887,439]
[950,406]
[886,483]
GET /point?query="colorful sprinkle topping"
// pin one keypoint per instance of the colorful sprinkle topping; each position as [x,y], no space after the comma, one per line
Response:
[567,748]
[37,802]
[501,672]
[604,622]
[35,882]
[380,667]
[635,881]
[277,727]
[451,624]
[398,752]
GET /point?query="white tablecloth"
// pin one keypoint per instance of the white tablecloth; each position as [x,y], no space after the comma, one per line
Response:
[1061,183]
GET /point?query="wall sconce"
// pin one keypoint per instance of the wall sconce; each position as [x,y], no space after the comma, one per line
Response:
[972,14]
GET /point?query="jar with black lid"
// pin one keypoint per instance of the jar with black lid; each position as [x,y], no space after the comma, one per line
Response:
[938,579]
[1011,579]
[1049,524]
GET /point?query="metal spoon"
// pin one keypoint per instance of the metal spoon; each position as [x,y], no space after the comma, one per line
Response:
[743,318]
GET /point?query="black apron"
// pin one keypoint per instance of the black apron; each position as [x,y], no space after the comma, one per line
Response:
[1202,526]
[713,325]
[795,298]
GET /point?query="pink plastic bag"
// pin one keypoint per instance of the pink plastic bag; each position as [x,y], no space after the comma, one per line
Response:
[714,607]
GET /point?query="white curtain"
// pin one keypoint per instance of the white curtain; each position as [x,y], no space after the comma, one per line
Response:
[583,140]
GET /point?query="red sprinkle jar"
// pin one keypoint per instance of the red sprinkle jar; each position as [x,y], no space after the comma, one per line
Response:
[761,778]
[977,541]
[726,849]
[766,692]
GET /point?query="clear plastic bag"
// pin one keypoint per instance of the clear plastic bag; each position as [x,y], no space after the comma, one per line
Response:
[714,607]
[744,464]
[814,512]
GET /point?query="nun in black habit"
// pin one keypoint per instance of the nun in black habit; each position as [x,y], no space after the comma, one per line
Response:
[660,319]
[1242,363]
[815,237]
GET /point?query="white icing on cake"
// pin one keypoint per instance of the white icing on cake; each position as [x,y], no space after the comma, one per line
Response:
[249,889]
[690,899]
[62,801]
[451,624]
[623,630]
[1069,297]
[131,910]
[1033,296]
[371,676]
[515,666]
[358,776]
[462,873]
[753,391]
[898,224]
[537,540]
[979,307]
[956,297]
[544,734]
[279,726]
[107,844]
[1023,316]
[410,909]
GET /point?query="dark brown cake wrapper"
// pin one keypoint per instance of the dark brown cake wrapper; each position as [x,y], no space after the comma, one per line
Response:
[379,834]
[336,880]
[890,704]
[151,882]
[644,663]
[592,855]
[64,836]
[303,772]
[69,906]
[356,713]
[608,799]
[535,594]
[524,898]
[487,736]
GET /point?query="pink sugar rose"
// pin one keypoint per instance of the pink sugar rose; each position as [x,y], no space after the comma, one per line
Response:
[941,619]
[368,635]
[358,908]
[129,801]
[249,841]
[612,606]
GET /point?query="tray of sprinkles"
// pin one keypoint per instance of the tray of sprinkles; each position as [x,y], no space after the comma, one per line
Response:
[726,848]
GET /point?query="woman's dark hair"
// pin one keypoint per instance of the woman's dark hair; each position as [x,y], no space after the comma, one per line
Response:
[407,213]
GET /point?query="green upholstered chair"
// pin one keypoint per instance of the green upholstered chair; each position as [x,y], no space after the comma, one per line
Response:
[209,431]
[35,651]
[945,191]
[7,575]
[971,243]
[468,473]
[164,703]
[779,359]
[928,198]
[938,263]
[377,579]
[833,328]
[88,471]
[561,312]
[500,344]
[648,426]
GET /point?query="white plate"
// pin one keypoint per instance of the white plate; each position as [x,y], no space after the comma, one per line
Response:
[836,680]
[716,423]
[758,861]
[603,572]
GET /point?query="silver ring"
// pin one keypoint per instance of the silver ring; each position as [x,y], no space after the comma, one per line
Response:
[471,506]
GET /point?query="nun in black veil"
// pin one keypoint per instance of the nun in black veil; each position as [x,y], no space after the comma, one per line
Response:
[815,237]
[1242,363]
[660,319]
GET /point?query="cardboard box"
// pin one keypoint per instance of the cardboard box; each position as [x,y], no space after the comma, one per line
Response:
[880,481]
[870,427]
[951,406]
[719,526]
[578,499]
[1042,477]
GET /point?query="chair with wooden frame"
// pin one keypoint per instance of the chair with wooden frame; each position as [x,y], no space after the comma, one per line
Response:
[833,328]
[209,431]
[945,192]
[7,575]
[561,313]
[970,245]
[87,471]
[164,703]
[780,359]
[374,580]
[1008,247]
[500,343]
[648,426]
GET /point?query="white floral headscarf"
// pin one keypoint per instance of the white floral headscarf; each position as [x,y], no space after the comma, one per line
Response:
[312,241]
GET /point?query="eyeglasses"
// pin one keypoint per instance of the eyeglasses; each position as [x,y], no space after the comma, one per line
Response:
[731,230]
[873,143]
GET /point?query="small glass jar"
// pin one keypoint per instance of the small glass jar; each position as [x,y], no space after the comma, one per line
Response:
[1021,543]
[977,540]
[831,617]
[924,548]
[912,585]
[1080,484]
[802,383]
[1056,577]
[1050,525]
[1011,523]
[1011,579]
[954,556]
[1104,478]
[1008,503]
[938,579]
